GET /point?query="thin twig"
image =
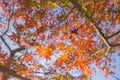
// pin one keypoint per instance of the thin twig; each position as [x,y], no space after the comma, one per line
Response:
[115,45]
[5,43]
[44,72]
[65,17]
[8,25]
[97,52]
[113,34]
[115,77]
[58,22]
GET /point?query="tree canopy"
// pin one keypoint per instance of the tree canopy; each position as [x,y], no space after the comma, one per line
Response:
[46,39]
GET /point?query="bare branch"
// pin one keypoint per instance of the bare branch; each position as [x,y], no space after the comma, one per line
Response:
[17,50]
[114,45]
[7,28]
[115,77]
[5,43]
[12,73]
[44,72]
[113,34]
[8,25]
[12,52]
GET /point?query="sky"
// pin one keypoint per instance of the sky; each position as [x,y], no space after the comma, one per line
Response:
[100,75]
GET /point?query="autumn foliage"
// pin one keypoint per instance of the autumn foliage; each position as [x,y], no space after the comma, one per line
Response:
[46,39]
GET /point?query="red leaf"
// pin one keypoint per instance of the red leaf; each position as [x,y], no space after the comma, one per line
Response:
[13,36]
[48,56]
[111,73]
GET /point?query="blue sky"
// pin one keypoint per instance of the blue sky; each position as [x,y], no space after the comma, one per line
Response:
[100,75]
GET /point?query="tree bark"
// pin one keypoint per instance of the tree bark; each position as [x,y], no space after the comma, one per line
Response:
[12,73]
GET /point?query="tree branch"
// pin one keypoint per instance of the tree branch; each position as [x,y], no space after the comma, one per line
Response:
[113,34]
[12,73]
[115,77]
[17,50]
[44,72]
[114,45]
[12,52]
[5,43]
[8,25]
[81,10]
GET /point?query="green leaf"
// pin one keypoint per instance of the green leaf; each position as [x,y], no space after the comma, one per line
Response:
[89,9]
[51,78]
[54,5]
[34,3]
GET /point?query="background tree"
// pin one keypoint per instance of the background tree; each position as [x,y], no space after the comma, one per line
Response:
[52,37]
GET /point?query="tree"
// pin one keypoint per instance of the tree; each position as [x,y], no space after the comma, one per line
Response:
[50,37]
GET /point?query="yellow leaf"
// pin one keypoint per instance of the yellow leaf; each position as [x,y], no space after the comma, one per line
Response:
[114,1]
[70,49]
[43,52]
[64,28]
[50,49]
[54,5]
[38,48]
[55,32]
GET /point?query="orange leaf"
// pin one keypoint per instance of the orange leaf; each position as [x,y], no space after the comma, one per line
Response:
[79,52]
[89,46]
[28,57]
[101,69]
[62,37]
[1,25]
[27,71]
[58,62]
[84,77]
[38,48]
[85,69]
[61,46]
[45,54]
[106,74]
[64,57]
